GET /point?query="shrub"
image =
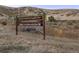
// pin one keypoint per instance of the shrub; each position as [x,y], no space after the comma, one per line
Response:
[68,14]
[76,27]
[70,23]
[51,19]
[4,23]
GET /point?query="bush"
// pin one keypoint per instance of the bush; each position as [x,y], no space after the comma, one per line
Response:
[51,19]
[76,27]
[70,23]
[68,14]
[4,23]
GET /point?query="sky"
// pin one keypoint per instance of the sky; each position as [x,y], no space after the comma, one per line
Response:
[57,6]
[34,3]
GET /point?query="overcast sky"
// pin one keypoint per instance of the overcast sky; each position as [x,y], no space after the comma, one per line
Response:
[20,3]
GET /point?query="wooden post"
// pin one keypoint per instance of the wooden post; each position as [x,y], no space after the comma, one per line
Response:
[16,25]
[44,27]
[44,17]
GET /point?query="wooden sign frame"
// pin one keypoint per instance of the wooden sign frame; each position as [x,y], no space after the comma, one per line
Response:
[40,20]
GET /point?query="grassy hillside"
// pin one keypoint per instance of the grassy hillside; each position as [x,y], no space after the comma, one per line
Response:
[6,10]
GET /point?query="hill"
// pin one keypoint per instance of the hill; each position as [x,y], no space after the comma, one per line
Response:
[59,14]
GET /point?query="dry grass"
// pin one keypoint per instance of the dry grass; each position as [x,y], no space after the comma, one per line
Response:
[58,39]
[68,30]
